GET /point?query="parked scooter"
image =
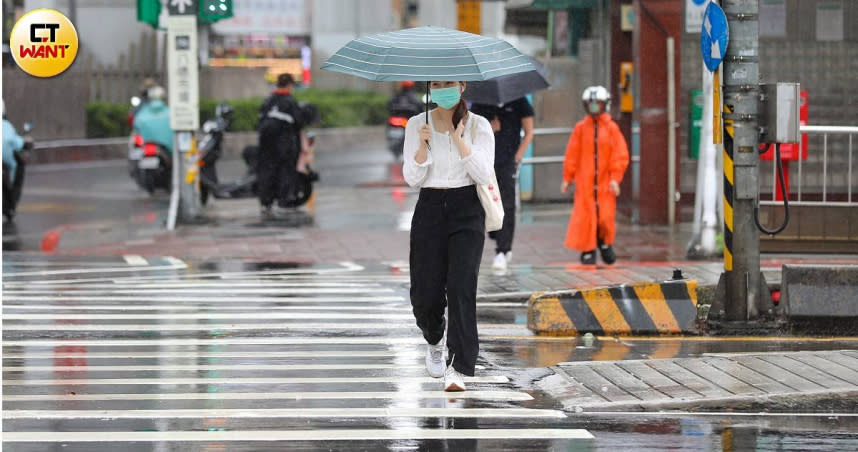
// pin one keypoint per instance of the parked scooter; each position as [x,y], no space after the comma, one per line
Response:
[246,187]
[13,183]
[210,149]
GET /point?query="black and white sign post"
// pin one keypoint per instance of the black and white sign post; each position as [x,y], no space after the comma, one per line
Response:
[183,89]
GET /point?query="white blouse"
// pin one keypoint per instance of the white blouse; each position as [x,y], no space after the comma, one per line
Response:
[444,167]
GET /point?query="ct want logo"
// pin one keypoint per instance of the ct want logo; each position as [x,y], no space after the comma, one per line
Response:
[44,42]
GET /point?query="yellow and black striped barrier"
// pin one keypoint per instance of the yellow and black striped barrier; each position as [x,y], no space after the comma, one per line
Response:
[655,308]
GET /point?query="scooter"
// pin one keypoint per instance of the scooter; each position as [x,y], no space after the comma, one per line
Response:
[14,183]
[396,134]
[155,168]
[210,149]
[135,141]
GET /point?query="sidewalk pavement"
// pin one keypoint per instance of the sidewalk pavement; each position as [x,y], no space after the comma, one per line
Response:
[371,225]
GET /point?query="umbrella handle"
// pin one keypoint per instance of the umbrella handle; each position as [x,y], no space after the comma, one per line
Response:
[428,146]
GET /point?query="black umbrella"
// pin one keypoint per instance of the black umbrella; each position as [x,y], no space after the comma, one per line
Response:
[507,88]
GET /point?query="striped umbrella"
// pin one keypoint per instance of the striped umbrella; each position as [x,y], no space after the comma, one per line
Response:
[428,54]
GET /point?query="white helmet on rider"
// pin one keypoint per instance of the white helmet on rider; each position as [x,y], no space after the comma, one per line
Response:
[157,92]
[596,99]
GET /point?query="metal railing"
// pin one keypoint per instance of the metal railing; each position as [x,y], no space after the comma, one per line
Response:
[800,186]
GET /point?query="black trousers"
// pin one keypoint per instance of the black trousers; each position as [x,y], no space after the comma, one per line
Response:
[275,175]
[447,236]
[506,183]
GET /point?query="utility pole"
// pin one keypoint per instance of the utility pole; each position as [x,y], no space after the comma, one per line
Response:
[744,285]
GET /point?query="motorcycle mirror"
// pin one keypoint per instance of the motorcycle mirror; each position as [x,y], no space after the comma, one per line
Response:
[28,127]
[135,101]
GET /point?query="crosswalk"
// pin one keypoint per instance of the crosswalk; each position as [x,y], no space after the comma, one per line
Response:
[147,353]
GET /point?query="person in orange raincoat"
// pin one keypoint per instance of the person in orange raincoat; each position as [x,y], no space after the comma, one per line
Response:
[592,223]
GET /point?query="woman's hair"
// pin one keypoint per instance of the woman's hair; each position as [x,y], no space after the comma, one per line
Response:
[460,113]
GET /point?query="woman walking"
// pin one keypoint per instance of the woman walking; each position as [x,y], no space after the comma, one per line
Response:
[445,155]
[596,158]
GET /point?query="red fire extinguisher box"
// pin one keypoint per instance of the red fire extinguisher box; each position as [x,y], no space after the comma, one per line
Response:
[790,151]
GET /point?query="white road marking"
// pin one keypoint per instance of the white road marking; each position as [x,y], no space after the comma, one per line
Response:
[309,395]
[300,435]
[211,284]
[318,326]
[271,291]
[177,367]
[298,413]
[178,263]
[261,314]
[74,271]
[399,353]
[222,275]
[60,298]
[305,340]
[135,260]
[164,307]
[162,381]
[731,414]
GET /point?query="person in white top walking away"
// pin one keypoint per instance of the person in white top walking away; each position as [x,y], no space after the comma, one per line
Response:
[445,155]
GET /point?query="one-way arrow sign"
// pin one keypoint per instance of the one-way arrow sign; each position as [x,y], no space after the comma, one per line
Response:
[714,37]
[182,7]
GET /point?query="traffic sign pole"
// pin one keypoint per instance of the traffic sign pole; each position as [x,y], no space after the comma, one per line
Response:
[183,89]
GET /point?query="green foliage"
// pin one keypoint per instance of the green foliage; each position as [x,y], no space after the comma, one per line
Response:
[338,108]
[104,119]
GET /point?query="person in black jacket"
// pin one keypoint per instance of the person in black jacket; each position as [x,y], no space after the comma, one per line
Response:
[280,125]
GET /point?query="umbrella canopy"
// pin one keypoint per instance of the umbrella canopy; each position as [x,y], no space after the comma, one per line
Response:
[428,54]
[504,89]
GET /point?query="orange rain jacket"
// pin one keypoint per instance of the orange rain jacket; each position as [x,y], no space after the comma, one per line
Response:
[613,158]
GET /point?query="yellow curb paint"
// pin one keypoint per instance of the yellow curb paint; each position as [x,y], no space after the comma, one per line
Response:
[605,310]
[652,299]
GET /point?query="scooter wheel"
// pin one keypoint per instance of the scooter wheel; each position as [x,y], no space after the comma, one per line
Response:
[204,194]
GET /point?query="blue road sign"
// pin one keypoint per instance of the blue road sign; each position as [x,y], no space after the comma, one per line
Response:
[714,37]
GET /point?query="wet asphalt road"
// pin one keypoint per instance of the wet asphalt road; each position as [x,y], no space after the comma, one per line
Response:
[158,354]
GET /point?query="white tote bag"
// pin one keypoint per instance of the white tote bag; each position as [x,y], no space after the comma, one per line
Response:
[490,196]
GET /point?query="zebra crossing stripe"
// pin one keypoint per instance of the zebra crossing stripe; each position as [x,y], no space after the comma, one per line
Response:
[298,413]
[303,340]
[204,284]
[195,367]
[299,435]
[318,326]
[310,395]
[281,291]
[261,314]
[399,353]
[201,309]
[241,381]
[135,260]
[126,299]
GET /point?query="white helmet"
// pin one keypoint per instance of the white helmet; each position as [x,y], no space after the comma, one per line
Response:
[157,92]
[596,94]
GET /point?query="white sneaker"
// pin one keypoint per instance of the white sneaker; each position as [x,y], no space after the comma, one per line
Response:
[453,380]
[499,262]
[508,257]
[435,359]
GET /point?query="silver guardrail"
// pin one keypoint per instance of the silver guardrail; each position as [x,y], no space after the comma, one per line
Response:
[801,187]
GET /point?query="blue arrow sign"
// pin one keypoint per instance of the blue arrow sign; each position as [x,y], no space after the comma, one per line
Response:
[714,37]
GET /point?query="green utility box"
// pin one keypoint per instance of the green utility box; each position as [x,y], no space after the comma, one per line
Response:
[695,122]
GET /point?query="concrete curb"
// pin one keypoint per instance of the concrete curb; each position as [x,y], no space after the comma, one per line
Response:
[664,308]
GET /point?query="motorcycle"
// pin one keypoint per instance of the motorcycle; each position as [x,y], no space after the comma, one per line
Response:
[14,183]
[155,168]
[135,141]
[210,150]
[396,134]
